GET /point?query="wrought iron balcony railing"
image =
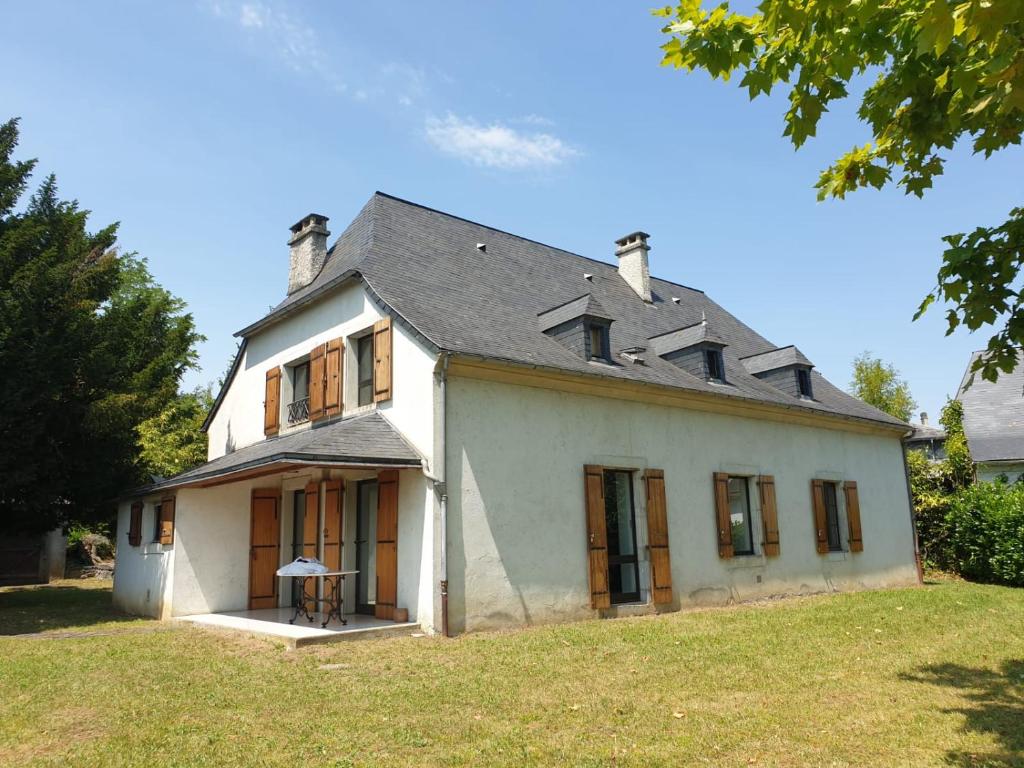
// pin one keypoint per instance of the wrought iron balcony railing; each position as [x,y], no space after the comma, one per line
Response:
[298,411]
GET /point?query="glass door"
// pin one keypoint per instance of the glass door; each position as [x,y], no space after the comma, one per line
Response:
[366,546]
[298,523]
[620,524]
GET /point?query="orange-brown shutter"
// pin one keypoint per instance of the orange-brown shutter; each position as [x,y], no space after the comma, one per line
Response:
[135,525]
[657,536]
[853,516]
[382,360]
[333,518]
[597,537]
[167,520]
[332,377]
[317,382]
[272,403]
[264,551]
[769,515]
[820,518]
[723,520]
[387,544]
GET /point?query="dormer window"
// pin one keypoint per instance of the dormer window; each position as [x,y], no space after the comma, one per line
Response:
[597,341]
[714,364]
[803,382]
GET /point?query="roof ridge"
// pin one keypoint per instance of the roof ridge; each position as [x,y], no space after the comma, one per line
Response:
[521,237]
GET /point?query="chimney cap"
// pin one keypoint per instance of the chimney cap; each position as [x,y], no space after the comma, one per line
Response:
[310,219]
[632,237]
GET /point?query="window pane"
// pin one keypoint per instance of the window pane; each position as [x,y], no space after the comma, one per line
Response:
[832,517]
[739,514]
[597,341]
[300,382]
[365,369]
[618,510]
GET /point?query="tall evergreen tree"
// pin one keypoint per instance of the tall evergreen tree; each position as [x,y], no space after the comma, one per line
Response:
[90,347]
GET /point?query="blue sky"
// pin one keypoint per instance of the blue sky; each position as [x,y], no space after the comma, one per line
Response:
[207,128]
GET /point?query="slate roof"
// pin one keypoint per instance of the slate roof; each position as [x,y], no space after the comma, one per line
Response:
[424,265]
[775,358]
[683,338]
[367,440]
[924,433]
[994,413]
[584,305]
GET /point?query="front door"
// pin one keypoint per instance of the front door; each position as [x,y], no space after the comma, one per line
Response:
[620,524]
[366,546]
[264,548]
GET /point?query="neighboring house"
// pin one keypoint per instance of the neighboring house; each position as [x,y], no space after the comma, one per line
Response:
[928,440]
[994,421]
[495,432]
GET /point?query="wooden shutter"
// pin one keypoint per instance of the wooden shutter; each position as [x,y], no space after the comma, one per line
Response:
[272,403]
[387,544]
[167,520]
[769,515]
[597,537]
[333,517]
[332,377]
[264,541]
[135,525]
[820,518]
[657,536]
[723,520]
[317,382]
[853,516]
[382,360]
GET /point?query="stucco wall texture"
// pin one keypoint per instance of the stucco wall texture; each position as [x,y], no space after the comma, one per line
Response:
[517,530]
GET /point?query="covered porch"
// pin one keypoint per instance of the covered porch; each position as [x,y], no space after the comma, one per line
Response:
[351,494]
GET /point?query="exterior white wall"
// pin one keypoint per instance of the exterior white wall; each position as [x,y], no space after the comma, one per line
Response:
[142,575]
[989,473]
[348,311]
[517,530]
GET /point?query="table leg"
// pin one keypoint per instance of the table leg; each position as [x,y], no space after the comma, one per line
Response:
[303,600]
[334,599]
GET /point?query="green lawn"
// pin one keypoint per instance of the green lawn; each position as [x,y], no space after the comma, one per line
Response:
[926,676]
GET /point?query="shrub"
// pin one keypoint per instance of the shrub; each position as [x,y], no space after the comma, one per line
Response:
[984,533]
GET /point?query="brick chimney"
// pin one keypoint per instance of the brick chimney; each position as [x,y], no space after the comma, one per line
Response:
[308,245]
[631,252]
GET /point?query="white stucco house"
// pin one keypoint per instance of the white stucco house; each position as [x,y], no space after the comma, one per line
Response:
[494,432]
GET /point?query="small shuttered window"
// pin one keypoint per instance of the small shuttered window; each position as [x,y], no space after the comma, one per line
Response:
[166,517]
[334,356]
[723,518]
[853,516]
[272,402]
[316,382]
[769,515]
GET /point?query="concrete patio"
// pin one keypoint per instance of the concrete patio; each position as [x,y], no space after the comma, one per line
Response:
[272,623]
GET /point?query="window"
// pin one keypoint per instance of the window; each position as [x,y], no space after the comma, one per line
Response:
[364,366]
[620,527]
[298,538]
[832,517]
[298,408]
[803,381]
[739,516]
[156,523]
[597,338]
[715,366]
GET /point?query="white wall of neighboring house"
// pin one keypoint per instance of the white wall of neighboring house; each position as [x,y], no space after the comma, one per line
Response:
[990,472]
[348,311]
[517,529]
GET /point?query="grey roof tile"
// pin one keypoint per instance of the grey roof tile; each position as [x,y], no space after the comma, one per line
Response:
[994,413]
[775,358]
[424,264]
[683,338]
[367,439]
[570,310]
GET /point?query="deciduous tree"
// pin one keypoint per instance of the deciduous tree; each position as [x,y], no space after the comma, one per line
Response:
[942,71]
[879,384]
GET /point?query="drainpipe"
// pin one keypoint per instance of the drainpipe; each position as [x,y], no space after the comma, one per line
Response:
[913,516]
[442,486]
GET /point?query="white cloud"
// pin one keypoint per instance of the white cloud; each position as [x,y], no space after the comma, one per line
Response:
[497,145]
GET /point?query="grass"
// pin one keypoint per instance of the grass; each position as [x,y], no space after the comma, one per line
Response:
[927,676]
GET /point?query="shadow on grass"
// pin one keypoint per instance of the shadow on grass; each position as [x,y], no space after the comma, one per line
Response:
[37,609]
[994,705]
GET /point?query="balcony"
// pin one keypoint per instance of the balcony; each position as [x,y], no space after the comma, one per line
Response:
[298,411]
